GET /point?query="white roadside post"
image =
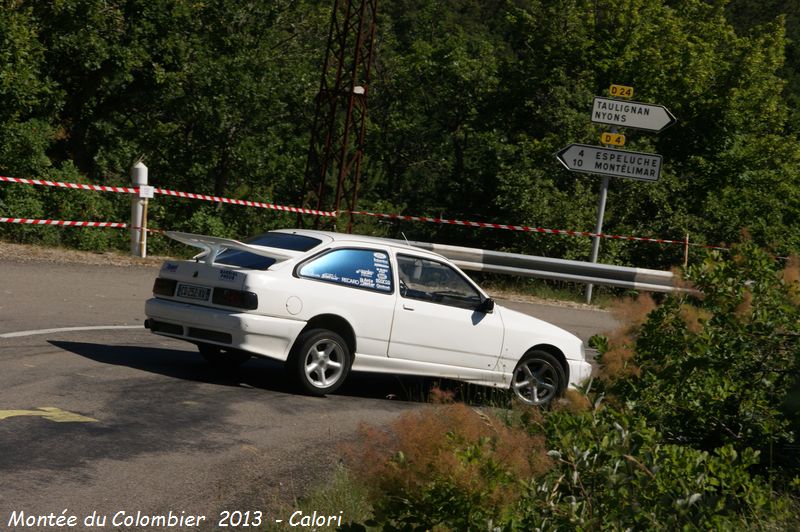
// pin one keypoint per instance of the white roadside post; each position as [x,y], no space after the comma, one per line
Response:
[139,211]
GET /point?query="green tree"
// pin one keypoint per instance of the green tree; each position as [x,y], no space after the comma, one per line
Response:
[721,159]
[469,103]
[215,96]
[28,98]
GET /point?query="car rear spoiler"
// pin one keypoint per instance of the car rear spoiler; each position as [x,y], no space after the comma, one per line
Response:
[213,246]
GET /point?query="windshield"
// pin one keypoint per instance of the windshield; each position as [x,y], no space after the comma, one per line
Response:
[243,259]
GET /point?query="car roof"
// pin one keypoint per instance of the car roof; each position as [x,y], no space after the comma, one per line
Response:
[331,236]
[328,237]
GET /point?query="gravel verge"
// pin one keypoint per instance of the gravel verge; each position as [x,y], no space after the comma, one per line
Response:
[29,253]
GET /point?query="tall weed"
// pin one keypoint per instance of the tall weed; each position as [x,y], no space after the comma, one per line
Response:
[447,464]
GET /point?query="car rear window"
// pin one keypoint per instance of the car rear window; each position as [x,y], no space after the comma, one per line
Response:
[356,268]
[243,259]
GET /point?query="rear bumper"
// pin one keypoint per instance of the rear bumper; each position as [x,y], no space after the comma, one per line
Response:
[261,335]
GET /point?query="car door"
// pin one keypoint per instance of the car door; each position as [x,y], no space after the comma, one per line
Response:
[436,320]
[356,284]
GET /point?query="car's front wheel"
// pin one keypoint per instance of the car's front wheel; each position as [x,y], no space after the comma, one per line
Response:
[320,361]
[538,378]
[222,357]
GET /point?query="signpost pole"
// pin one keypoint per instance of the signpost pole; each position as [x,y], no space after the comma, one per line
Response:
[598,229]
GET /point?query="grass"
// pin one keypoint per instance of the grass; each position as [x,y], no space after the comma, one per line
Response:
[342,495]
[515,286]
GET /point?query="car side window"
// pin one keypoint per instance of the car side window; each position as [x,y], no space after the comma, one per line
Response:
[357,268]
[433,281]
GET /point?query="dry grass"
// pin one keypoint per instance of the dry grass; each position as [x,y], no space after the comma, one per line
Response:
[791,277]
[680,281]
[618,360]
[631,313]
[791,272]
[695,318]
[574,402]
[744,310]
[430,445]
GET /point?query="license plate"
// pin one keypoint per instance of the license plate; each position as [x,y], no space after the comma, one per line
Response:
[190,291]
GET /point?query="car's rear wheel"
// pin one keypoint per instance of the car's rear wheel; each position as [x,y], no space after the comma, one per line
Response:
[320,361]
[538,378]
[222,357]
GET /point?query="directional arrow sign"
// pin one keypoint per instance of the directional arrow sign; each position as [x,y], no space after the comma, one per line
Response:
[636,115]
[607,161]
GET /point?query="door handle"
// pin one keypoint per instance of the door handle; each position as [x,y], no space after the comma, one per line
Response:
[408,307]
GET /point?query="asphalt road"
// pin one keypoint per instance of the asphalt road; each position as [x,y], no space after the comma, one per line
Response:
[119,420]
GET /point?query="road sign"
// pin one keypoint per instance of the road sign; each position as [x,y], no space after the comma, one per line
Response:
[636,115]
[613,139]
[608,161]
[620,91]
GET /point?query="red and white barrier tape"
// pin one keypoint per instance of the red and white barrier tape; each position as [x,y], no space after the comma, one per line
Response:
[74,186]
[64,223]
[70,223]
[524,228]
[175,193]
[246,203]
[299,210]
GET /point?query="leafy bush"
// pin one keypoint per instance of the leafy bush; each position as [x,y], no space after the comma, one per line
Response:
[24,201]
[601,468]
[717,367]
[613,471]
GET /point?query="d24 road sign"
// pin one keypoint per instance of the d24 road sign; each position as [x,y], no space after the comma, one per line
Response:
[608,161]
[620,91]
[636,115]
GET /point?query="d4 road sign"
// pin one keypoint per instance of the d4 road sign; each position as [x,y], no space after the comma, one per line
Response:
[612,139]
[636,115]
[608,161]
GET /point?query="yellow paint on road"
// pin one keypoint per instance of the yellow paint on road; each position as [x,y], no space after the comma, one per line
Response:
[48,412]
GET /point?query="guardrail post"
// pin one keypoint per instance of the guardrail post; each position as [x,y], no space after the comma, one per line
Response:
[138,212]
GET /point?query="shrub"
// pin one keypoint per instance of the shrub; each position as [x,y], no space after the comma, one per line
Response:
[446,465]
[25,201]
[613,471]
[454,468]
[718,368]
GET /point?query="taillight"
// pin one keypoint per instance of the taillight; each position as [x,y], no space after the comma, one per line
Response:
[235,298]
[164,287]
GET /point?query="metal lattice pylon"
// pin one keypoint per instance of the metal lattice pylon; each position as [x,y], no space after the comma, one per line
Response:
[336,148]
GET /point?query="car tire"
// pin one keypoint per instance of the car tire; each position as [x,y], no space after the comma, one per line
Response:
[221,357]
[319,362]
[538,378]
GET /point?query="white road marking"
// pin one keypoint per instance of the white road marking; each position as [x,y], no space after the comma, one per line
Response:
[19,334]
[48,412]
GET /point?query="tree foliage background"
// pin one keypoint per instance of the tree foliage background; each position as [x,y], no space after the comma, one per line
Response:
[469,103]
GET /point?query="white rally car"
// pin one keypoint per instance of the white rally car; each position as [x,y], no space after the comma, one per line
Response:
[328,303]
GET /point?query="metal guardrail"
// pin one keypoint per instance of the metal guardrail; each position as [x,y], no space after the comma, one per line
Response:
[554,269]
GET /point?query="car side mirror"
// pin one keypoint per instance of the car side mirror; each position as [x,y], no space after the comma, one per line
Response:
[486,306]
